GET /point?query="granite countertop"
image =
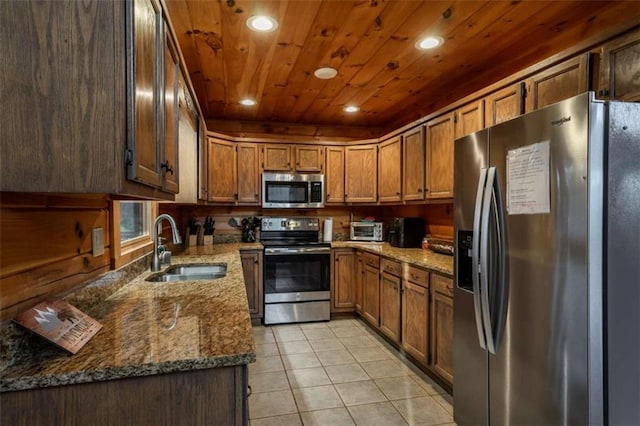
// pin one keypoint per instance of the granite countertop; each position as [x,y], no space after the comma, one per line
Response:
[151,328]
[415,256]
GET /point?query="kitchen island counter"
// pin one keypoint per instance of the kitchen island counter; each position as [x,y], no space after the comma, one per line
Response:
[149,328]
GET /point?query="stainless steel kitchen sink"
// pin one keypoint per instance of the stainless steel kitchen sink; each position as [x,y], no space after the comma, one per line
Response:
[196,271]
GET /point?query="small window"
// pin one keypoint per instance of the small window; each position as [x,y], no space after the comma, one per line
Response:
[131,230]
[134,220]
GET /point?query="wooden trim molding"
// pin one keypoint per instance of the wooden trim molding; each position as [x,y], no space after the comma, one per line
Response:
[131,250]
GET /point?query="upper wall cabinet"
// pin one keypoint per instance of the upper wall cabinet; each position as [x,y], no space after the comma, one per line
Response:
[619,71]
[91,83]
[360,175]
[248,156]
[222,171]
[439,173]
[309,158]
[557,83]
[171,73]
[469,119]
[504,104]
[334,175]
[277,158]
[413,164]
[390,170]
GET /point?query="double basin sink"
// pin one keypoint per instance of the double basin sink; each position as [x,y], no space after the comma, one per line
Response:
[196,271]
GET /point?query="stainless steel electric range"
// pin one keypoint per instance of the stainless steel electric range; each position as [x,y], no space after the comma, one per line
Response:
[296,270]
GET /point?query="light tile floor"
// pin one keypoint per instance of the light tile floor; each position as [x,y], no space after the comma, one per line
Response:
[338,373]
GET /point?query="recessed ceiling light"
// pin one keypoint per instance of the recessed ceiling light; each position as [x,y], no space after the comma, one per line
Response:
[325,73]
[264,24]
[248,102]
[351,108]
[429,42]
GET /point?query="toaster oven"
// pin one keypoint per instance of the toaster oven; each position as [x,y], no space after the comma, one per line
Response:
[366,231]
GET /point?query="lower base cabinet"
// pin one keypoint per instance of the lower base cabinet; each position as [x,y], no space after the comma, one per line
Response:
[252,271]
[442,326]
[415,321]
[390,306]
[343,290]
[371,289]
[215,396]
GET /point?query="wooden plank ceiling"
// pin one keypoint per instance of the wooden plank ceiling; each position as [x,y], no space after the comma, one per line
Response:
[371,44]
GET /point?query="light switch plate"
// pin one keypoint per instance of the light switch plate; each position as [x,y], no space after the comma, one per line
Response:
[97,241]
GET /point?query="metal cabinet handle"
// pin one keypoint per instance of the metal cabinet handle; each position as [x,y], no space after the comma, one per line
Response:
[167,167]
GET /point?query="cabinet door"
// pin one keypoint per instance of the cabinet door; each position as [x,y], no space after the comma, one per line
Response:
[557,83]
[469,119]
[440,157]
[144,138]
[276,158]
[203,161]
[222,171]
[390,306]
[415,321]
[413,164]
[360,174]
[442,327]
[619,75]
[248,182]
[343,291]
[309,158]
[389,170]
[252,271]
[169,165]
[371,295]
[358,280]
[504,104]
[334,176]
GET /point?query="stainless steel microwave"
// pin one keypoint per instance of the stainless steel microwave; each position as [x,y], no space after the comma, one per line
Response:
[292,190]
[366,231]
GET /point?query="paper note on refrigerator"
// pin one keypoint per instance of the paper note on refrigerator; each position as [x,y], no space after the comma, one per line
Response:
[528,179]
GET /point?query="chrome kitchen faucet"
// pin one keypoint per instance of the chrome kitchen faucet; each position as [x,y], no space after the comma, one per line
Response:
[156,260]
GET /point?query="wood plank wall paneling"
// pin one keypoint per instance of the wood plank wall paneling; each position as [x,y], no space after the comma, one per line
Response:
[45,246]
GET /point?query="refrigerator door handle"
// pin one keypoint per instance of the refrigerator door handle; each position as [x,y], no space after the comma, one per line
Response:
[502,293]
[475,255]
[484,260]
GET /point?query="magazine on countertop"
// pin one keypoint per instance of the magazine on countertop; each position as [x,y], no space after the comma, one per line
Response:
[60,323]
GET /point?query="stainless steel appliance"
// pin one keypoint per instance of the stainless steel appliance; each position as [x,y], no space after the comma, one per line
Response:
[547,225]
[366,231]
[292,190]
[406,232]
[296,271]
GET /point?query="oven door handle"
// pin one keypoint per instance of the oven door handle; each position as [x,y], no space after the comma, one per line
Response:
[298,250]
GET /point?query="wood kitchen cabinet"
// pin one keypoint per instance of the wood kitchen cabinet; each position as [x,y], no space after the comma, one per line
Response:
[504,104]
[222,174]
[252,271]
[343,294]
[371,289]
[415,314]
[277,158]
[390,170]
[469,119]
[361,174]
[91,119]
[413,155]
[442,327]
[359,276]
[439,173]
[390,285]
[620,62]
[334,174]
[563,81]
[170,166]
[309,158]
[248,175]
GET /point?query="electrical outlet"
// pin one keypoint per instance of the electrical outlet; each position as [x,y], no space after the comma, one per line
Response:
[97,241]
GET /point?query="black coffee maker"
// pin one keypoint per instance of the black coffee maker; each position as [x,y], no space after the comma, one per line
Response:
[407,232]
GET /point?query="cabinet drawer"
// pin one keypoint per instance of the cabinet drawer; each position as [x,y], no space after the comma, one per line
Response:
[442,284]
[417,276]
[391,267]
[371,259]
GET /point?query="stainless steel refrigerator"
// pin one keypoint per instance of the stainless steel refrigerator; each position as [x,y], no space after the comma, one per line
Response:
[547,268]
